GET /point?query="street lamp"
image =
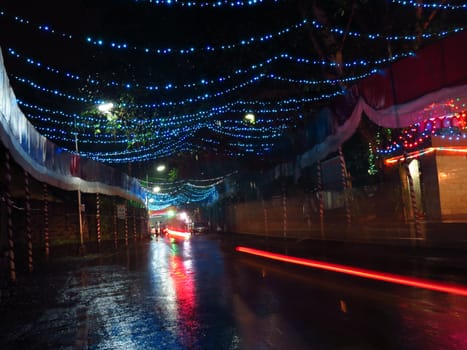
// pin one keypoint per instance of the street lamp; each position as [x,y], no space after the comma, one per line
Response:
[250,118]
[160,168]
[156,189]
[105,107]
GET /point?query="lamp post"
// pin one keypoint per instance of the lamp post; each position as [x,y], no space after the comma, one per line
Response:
[104,108]
[155,189]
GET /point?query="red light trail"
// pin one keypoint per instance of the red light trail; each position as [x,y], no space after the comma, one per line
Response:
[181,234]
[370,274]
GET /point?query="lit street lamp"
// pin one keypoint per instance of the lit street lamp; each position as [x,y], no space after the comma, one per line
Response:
[250,118]
[105,107]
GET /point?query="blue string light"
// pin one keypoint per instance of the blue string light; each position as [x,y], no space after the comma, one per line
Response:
[209,48]
[164,51]
[178,120]
[161,150]
[195,99]
[207,4]
[183,194]
[171,141]
[321,82]
[441,6]
[203,49]
[250,138]
[204,82]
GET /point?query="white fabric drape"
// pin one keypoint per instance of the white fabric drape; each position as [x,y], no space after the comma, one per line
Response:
[48,163]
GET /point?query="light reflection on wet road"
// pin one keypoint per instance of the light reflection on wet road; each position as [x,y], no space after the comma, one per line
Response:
[200,294]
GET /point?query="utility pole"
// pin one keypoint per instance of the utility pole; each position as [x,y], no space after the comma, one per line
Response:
[80,212]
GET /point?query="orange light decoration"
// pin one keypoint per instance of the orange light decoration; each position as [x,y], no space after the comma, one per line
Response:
[370,274]
[451,150]
[180,234]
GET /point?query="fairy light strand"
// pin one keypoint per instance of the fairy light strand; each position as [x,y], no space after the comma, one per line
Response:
[199,98]
[209,48]
[440,6]
[207,4]
[202,81]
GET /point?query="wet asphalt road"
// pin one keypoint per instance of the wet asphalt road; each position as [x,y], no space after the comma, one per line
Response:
[201,294]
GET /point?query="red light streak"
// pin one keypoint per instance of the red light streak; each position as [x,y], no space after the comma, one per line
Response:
[370,274]
[185,293]
[448,150]
[181,234]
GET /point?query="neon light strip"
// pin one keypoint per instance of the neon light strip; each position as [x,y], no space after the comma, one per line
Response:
[181,234]
[370,274]
[394,160]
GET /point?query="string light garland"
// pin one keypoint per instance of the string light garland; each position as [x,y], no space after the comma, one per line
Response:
[172,185]
[253,40]
[164,145]
[240,133]
[209,48]
[199,98]
[88,122]
[174,133]
[261,133]
[67,136]
[212,4]
[161,51]
[217,80]
[44,28]
[401,37]
[178,192]
[261,39]
[441,6]
[321,81]
[140,155]
[183,195]
[84,122]
[183,126]
[56,92]
[166,149]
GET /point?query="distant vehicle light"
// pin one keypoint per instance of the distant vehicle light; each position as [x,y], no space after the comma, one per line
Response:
[200,228]
[180,234]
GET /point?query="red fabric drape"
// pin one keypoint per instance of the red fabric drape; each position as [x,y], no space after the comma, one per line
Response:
[439,65]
